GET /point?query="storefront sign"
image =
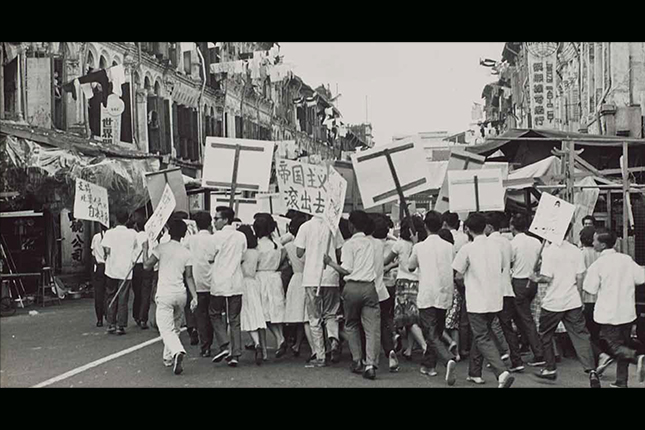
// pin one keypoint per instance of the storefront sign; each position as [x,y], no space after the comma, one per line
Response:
[115,106]
[91,203]
[542,58]
[74,247]
[110,127]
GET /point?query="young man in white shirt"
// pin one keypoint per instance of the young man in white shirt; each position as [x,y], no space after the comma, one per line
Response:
[509,310]
[479,267]
[202,250]
[613,278]
[310,242]
[526,252]
[563,268]
[360,300]
[98,275]
[451,222]
[175,273]
[227,285]
[433,258]
[119,244]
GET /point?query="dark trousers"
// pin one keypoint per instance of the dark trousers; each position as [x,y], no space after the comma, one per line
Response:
[217,305]
[506,317]
[117,314]
[148,281]
[98,284]
[137,283]
[524,295]
[617,338]
[433,323]
[387,324]
[204,326]
[483,345]
[594,330]
[189,316]
[574,322]
[361,307]
[465,333]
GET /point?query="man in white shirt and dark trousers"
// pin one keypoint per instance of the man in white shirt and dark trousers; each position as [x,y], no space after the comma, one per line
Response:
[563,268]
[480,264]
[175,273]
[202,250]
[360,300]
[613,277]
[526,252]
[98,275]
[433,258]
[310,242]
[227,285]
[120,245]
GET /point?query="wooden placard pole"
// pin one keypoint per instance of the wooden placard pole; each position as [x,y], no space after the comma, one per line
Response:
[397,184]
[625,196]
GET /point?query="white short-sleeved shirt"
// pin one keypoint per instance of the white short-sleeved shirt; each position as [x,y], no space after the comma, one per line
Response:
[122,244]
[174,259]
[460,238]
[313,237]
[202,251]
[358,258]
[97,249]
[226,278]
[433,257]
[562,262]
[507,254]
[590,255]
[613,277]
[142,237]
[379,282]
[480,261]
[403,249]
[526,251]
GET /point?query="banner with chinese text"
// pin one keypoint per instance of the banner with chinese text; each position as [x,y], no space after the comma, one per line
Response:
[542,63]
[303,186]
[91,203]
[110,127]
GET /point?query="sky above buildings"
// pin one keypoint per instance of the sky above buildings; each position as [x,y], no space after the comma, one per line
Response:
[410,87]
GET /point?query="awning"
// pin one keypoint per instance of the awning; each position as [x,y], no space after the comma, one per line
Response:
[184,95]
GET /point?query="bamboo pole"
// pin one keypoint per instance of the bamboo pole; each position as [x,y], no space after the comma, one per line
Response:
[625,197]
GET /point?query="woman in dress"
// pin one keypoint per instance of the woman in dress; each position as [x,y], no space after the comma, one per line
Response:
[252,315]
[296,311]
[406,313]
[271,256]
[451,332]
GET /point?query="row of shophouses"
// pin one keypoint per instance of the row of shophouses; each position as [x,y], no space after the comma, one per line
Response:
[57,124]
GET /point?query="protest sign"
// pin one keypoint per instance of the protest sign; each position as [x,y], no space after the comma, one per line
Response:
[459,160]
[552,218]
[244,208]
[336,189]
[91,203]
[159,218]
[156,182]
[475,190]
[303,186]
[271,203]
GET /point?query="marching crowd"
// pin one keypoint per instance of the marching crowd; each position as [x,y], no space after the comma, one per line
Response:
[452,292]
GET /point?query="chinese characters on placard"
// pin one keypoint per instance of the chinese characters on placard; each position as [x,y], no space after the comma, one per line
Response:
[303,186]
[76,225]
[542,90]
[91,203]
[110,127]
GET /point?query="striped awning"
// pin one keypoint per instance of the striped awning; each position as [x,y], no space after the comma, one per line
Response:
[182,94]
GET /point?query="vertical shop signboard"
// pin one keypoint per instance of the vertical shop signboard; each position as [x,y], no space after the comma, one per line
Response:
[542,58]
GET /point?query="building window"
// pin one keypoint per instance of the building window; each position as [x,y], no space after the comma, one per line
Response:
[10,85]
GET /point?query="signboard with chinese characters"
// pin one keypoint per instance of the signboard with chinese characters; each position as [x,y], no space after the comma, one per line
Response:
[303,186]
[542,62]
[337,187]
[110,126]
[74,245]
[91,203]
[552,218]
[158,220]
[156,183]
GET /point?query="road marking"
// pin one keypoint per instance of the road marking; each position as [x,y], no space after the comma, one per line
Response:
[98,362]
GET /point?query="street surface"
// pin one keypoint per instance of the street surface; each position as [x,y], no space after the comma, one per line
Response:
[35,349]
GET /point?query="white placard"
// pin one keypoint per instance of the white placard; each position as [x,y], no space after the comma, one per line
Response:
[272,203]
[161,214]
[459,160]
[254,166]
[375,180]
[461,189]
[91,203]
[336,189]
[244,208]
[552,218]
[303,186]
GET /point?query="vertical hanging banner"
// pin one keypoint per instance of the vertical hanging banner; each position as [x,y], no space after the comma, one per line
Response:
[91,203]
[158,220]
[552,218]
[110,126]
[303,186]
[542,60]
[336,189]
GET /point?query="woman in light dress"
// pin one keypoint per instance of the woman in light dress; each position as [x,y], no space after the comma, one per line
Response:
[296,311]
[252,315]
[271,255]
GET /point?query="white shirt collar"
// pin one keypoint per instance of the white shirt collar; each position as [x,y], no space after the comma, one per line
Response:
[494,234]
[204,232]
[608,251]
[229,227]
[358,234]
[480,237]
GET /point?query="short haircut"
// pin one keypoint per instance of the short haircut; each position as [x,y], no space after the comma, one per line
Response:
[476,223]
[520,222]
[450,218]
[203,220]
[494,219]
[370,226]
[251,240]
[606,236]
[121,215]
[360,220]
[227,213]
[381,226]
[343,226]
[446,235]
[590,217]
[272,224]
[177,229]
[434,221]
[296,222]
[419,226]
[586,236]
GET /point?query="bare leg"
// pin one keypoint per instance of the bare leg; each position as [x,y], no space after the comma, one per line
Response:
[307,331]
[417,334]
[263,342]
[410,344]
[255,336]
[276,330]
[454,334]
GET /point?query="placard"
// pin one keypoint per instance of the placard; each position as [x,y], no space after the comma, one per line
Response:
[476,190]
[271,203]
[252,169]
[336,189]
[303,186]
[156,182]
[91,202]
[459,160]
[161,214]
[244,208]
[552,218]
[374,177]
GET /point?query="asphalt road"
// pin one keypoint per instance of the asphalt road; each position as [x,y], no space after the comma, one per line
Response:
[59,339]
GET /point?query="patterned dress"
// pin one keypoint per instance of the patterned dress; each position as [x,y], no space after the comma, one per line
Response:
[252,315]
[406,286]
[273,299]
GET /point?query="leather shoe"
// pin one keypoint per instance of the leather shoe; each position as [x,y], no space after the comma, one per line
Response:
[356,367]
[282,350]
[369,373]
[194,337]
[99,323]
[258,355]
[144,325]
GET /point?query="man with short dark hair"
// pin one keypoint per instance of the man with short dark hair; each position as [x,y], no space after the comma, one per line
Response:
[589,221]
[479,265]
[613,278]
